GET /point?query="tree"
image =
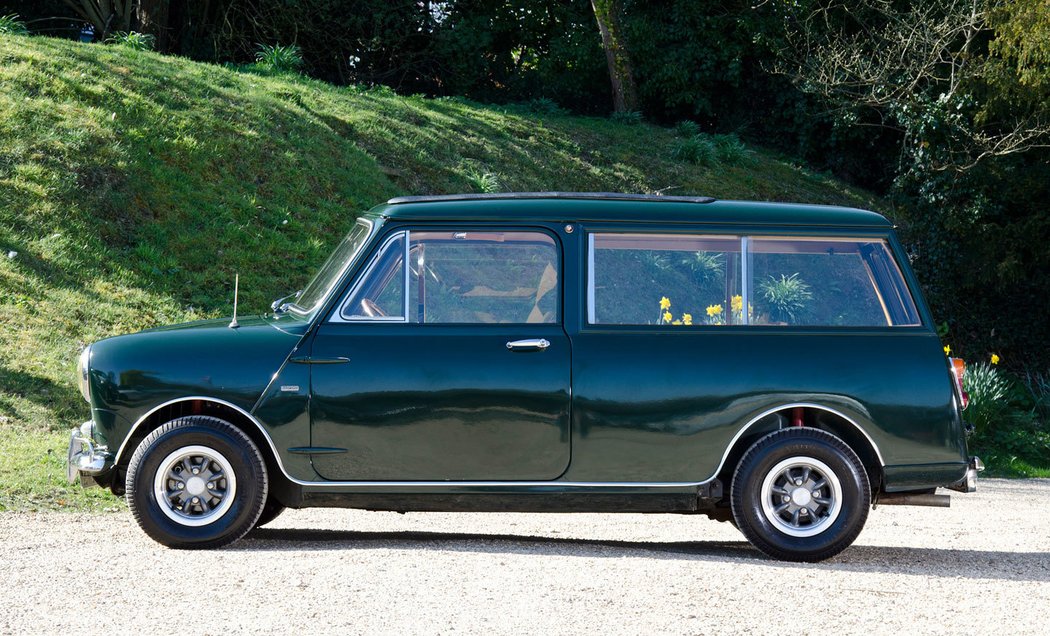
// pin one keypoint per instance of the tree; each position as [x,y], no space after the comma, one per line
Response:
[621,77]
[921,69]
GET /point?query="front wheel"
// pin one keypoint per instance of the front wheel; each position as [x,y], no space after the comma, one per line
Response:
[800,494]
[196,482]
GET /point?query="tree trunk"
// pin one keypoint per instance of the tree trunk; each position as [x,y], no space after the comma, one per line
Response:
[624,93]
[153,20]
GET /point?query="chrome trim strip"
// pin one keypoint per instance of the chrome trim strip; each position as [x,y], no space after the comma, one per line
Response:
[590,278]
[494,484]
[745,282]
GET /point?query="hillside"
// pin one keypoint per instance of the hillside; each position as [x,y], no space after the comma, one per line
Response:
[133,186]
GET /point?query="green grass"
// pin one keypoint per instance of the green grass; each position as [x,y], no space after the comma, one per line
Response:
[133,186]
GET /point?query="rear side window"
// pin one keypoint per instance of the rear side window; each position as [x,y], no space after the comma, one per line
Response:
[677,279]
[646,279]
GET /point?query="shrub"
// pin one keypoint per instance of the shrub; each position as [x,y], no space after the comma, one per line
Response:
[730,149]
[11,25]
[132,40]
[278,58]
[989,392]
[687,128]
[787,297]
[482,180]
[545,106]
[697,150]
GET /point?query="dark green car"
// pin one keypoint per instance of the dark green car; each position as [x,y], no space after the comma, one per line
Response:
[770,365]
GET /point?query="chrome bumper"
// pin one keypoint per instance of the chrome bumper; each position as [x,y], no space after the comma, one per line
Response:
[84,460]
[969,482]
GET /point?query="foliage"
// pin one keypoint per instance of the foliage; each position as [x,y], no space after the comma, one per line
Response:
[787,296]
[132,40]
[11,25]
[278,58]
[1009,415]
[687,128]
[481,180]
[698,150]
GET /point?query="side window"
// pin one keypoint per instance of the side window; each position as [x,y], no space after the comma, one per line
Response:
[681,279]
[483,277]
[380,295]
[649,279]
[820,282]
[460,278]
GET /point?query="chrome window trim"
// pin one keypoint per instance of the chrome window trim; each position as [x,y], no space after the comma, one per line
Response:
[337,316]
[590,279]
[745,282]
[495,484]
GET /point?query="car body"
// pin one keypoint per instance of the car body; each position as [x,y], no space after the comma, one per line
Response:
[550,352]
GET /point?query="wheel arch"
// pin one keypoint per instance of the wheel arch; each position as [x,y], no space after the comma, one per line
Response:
[816,416]
[280,485]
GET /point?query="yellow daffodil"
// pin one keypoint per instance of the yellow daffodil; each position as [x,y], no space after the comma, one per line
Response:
[714,310]
[677,322]
[667,316]
[665,303]
[947,350]
[995,358]
[687,319]
[737,303]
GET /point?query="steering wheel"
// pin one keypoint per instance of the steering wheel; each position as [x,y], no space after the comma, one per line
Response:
[370,309]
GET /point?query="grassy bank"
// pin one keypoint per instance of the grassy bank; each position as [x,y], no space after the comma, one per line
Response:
[133,186]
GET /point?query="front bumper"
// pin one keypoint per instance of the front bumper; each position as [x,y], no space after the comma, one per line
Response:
[85,460]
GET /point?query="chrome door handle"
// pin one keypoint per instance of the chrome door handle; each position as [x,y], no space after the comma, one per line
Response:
[529,344]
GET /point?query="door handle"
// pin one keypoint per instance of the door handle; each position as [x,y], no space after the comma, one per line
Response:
[530,344]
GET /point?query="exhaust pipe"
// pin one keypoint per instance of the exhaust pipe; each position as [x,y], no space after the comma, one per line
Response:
[913,499]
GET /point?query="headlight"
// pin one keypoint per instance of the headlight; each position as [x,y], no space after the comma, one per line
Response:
[82,373]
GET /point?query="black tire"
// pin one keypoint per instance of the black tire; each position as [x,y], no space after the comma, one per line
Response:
[201,514]
[270,511]
[768,500]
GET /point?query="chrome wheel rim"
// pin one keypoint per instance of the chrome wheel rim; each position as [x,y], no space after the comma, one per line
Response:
[801,496]
[195,485]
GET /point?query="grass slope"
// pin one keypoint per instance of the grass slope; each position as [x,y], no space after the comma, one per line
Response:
[133,186]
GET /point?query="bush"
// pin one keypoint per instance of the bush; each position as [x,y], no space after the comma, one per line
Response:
[730,149]
[11,25]
[132,40]
[1011,433]
[545,106]
[687,128]
[278,58]
[697,150]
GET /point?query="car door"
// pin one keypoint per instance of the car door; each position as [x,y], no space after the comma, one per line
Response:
[446,360]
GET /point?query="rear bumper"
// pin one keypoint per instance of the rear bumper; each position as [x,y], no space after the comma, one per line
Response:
[969,482]
[84,459]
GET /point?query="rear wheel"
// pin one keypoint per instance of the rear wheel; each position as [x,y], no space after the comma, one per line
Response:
[800,494]
[196,482]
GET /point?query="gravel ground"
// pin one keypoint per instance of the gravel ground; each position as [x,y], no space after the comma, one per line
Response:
[982,565]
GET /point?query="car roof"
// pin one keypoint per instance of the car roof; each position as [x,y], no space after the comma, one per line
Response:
[621,208]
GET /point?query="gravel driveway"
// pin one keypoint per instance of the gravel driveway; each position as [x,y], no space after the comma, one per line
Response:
[981,566]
